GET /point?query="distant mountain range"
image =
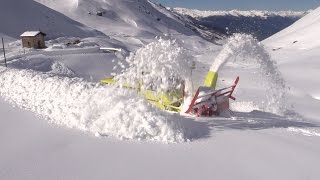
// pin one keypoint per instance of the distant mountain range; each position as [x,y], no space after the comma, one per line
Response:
[261,24]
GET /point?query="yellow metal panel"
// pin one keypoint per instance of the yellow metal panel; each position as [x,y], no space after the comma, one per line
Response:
[211,79]
[108,81]
[163,100]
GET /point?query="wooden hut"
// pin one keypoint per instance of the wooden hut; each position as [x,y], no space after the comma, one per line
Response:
[33,39]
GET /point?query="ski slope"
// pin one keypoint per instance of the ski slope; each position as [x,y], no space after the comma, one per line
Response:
[58,122]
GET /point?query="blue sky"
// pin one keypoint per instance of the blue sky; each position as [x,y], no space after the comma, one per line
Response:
[243,4]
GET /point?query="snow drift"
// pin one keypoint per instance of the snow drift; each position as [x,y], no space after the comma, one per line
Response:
[91,107]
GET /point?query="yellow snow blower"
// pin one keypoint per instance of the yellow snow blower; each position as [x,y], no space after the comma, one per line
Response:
[207,101]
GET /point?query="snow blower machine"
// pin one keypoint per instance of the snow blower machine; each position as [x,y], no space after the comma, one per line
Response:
[207,101]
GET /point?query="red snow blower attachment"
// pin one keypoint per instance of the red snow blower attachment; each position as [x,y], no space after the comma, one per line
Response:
[210,102]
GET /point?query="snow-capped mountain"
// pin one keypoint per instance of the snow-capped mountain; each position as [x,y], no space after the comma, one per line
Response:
[253,13]
[261,24]
[302,34]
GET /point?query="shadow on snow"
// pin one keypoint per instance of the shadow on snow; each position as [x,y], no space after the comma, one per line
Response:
[200,128]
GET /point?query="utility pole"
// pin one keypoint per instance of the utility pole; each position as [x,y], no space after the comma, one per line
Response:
[4,53]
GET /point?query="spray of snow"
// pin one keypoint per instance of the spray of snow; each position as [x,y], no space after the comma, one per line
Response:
[91,107]
[247,50]
[244,106]
[162,65]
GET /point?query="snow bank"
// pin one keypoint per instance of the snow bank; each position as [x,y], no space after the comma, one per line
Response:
[244,49]
[162,65]
[90,107]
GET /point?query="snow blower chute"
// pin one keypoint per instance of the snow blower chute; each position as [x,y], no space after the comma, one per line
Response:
[207,101]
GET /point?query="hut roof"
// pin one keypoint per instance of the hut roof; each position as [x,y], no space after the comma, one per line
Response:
[31,33]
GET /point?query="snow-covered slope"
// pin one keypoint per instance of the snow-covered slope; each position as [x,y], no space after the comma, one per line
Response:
[274,128]
[296,49]
[301,35]
[136,22]
[18,16]
[133,23]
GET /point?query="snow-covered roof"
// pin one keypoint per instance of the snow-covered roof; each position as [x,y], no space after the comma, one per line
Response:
[31,33]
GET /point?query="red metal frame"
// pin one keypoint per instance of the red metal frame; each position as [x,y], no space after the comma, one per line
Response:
[205,110]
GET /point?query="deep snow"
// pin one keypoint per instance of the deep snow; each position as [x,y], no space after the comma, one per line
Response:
[60,84]
[37,150]
[89,107]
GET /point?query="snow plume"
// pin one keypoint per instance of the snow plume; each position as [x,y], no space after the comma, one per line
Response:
[91,107]
[245,49]
[162,65]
